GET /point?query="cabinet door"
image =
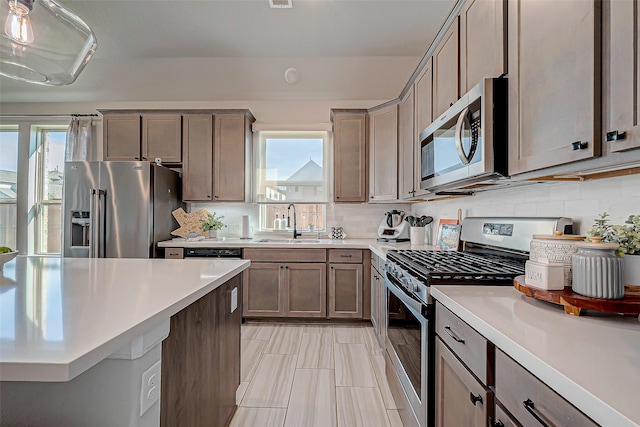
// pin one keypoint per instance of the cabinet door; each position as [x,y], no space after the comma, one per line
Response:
[383,154]
[121,137]
[482,40]
[445,71]
[197,157]
[460,399]
[554,82]
[423,89]
[306,290]
[624,74]
[406,147]
[345,291]
[349,141]
[229,158]
[262,290]
[162,137]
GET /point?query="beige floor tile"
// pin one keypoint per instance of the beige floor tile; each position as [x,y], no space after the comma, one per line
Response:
[348,334]
[313,399]
[371,342]
[317,329]
[257,332]
[271,384]
[360,407]
[353,367]
[394,418]
[240,391]
[383,385]
[316,351]
[284,340]
[250,354]
[258,417]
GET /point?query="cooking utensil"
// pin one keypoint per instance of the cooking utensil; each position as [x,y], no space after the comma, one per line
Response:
[411,220]
[424,220]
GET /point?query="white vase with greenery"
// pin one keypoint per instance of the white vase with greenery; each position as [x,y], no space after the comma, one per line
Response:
[627,235]
[211,225]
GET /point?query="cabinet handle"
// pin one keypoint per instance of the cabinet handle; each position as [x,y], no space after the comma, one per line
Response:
[345,256]
[371,196]
[137,158]
[332,267]
[530,407]
[144,158]
[286,266]
[579,145]
[616,136]
[475,399]
[215,196]
[282,266]
[448,330]
[497,423]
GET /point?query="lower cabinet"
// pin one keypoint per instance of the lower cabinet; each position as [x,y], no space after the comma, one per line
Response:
[530,402]
[201,361]
[345,290]
[378,316]
[461,400]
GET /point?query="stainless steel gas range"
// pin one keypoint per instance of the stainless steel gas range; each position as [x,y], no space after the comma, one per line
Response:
[495,251]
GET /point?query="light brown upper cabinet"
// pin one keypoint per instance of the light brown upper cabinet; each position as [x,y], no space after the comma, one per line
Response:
[121,136]
[446,71]
[554,82]
[232,145]
[162,137]
[197,157]
[406,146]
[350,165]
[482,42]
[383,154]
[622,126]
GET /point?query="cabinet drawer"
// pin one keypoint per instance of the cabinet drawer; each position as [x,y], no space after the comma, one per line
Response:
[353,256]
[471,347]
[174,253]
[516,387]
[502,418]
[286,255]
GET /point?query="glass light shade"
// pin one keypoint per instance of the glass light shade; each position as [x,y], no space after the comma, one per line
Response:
[49,46]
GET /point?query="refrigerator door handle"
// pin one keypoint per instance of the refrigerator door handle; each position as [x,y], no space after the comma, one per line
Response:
[96,245]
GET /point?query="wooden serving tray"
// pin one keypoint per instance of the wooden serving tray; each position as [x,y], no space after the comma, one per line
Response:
[574,303]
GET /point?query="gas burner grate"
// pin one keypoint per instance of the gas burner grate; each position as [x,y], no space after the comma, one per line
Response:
[453,266]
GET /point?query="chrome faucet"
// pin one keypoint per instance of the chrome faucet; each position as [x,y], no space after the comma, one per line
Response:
[295,233]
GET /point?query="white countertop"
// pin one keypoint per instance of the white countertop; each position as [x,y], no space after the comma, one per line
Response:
[380,248]
[593,361]
[61,316]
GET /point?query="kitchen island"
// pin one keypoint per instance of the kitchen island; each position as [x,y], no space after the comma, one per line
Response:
[592,361]
[62,317]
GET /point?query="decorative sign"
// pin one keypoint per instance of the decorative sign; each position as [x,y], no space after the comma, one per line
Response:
[189,222]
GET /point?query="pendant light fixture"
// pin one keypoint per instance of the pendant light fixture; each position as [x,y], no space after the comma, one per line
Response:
[43,42]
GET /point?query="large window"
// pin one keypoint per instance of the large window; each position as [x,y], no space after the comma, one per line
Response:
[292,167]
[50,179]
[8,185]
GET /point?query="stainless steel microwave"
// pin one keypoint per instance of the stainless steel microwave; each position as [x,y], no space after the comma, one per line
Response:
[468,144]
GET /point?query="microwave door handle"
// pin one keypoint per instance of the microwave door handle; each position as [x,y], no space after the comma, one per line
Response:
[461,119]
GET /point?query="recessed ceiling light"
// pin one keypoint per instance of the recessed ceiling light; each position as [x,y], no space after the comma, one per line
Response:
[280,4]
[292,75]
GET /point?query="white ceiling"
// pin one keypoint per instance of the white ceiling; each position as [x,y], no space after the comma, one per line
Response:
[221,50]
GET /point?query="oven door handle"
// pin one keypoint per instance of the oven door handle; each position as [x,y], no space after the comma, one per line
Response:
[407,300]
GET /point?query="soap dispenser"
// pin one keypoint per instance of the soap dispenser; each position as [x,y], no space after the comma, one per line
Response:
[277,222]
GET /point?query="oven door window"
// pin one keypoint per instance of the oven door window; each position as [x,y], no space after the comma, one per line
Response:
[404,331]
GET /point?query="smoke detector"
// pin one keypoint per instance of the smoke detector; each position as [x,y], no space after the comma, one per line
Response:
[281,4]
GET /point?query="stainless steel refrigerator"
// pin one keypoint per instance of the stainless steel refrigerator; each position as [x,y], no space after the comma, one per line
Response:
[118,209]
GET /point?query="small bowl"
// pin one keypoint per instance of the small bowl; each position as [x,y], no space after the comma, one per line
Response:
[6,257]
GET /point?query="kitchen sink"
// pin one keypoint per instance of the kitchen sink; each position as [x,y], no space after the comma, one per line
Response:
[286,241]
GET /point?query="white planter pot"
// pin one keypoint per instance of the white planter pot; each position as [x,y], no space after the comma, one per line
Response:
[213,234]
[631,270]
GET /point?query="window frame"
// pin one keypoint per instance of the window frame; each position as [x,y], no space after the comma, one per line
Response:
[12,202]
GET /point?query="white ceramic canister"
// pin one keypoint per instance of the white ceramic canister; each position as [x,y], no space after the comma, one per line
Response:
[597,271]
[555,249]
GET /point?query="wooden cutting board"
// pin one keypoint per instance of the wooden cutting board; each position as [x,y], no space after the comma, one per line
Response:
[189,222]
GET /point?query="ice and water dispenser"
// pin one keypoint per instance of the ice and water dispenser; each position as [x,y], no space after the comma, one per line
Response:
[80,228]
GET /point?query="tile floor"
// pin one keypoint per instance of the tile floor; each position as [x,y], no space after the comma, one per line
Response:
[313,375]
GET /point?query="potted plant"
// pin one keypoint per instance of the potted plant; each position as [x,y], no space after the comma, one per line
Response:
[626,235]
[212,224]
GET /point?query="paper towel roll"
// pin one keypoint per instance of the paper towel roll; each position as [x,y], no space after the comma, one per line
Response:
[244,234]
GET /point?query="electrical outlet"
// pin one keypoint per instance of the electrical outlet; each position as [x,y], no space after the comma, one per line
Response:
[234,299]
[150,389]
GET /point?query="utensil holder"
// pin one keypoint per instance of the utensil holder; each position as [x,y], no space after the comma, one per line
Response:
[416,235]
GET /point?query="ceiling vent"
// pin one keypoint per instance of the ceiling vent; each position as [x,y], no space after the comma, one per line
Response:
[281,4]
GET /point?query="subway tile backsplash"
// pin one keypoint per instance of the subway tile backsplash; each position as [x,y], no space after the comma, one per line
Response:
[582,201]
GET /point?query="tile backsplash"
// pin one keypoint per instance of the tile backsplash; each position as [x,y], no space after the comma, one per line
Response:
[581,201]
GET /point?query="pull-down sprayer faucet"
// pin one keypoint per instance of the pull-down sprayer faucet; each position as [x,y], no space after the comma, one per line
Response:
[295,233]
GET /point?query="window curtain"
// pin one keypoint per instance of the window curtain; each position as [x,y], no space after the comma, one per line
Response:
[79,138]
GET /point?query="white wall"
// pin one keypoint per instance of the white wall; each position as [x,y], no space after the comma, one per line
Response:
[582,201]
